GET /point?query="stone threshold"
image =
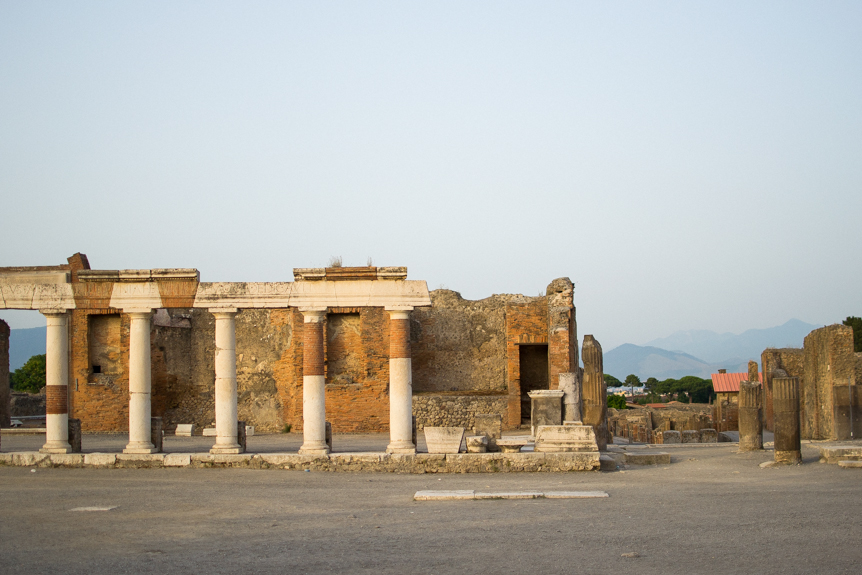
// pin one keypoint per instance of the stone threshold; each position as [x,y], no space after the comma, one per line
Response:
[465,495]
[336,462]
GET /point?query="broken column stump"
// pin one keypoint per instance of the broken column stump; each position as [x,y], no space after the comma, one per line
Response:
[595,397]
[750,417]
[785,407]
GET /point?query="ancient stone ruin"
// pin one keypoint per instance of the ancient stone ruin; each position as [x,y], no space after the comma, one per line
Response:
[364,349]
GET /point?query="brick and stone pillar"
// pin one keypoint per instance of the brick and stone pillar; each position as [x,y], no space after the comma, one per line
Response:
[750,416]
[595,397]
[57,383]
[225,382]
[400,384]
[313,384]
[140,383]
[785,409]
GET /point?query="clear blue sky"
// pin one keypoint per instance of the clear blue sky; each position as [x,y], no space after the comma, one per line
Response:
[687,165]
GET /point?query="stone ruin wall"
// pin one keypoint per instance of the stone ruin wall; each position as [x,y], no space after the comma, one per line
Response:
[461,348]
[829,361]
[5,392]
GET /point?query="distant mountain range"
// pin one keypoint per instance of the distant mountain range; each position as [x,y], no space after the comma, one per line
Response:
[701,352]
[24,344]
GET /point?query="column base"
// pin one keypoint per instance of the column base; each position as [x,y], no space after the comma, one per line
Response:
[405,447]
[56,447]
[314,448]
[226,449]
[140,447]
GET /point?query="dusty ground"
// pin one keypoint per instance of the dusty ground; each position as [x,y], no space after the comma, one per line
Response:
[711,511]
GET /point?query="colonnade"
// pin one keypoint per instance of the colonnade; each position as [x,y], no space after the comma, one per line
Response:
[313,388]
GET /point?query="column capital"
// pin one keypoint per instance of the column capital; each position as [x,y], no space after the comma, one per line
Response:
[391,308]
[395,314]
[54,312]
[223,311]
[313,314]
[139,312]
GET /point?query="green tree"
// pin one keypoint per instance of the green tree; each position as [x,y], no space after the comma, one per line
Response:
[856,324]
[633,381]
[31,376]
[617,401]
[611,381]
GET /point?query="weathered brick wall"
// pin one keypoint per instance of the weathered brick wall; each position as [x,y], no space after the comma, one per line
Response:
[5,394]
[456,410]
[829,360]
[792,361]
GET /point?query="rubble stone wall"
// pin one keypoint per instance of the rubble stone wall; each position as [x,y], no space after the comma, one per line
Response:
[455,410]
[829,361]
[791,361]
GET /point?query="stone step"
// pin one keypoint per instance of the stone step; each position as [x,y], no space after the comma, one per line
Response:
[836,453]
[850,464]
[648,458]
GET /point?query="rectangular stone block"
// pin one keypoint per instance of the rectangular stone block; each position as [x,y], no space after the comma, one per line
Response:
[100,459]
[444,439]
[690,436]
[546,408]
[443,495]
[249,430]
[75,435]
[156,433]
[185,430]
[67,459]
[477,444]
[671,437]
[564,438]
[178,460]
[648,458]
[209,432]
[708,436]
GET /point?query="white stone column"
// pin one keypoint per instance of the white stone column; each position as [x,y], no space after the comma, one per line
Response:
[313,384]
[57,383]
[400,383]
[140,383]
[225,382]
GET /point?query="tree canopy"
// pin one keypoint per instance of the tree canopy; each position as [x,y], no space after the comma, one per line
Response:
[617,402]
[31,376]
[690,387]
[611,381]
[633,381]
[856,324]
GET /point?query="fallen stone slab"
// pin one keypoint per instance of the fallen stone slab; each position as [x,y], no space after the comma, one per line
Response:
[850,464]
[466,495]
[648,458]
[178,459]
[837,453]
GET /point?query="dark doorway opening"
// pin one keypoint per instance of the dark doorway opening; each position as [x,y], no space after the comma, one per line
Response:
[534,374]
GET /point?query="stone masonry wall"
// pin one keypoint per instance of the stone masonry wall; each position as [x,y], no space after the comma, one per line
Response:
[456,410]
[5,393]
[829,361]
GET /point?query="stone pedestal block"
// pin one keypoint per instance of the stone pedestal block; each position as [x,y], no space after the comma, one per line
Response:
[671,437]
[546,408]
[750,417]
[690,436]
[444,439]
[185,430]
[785,402]
[565,438]
[708,436]
[491,426]
[242,435]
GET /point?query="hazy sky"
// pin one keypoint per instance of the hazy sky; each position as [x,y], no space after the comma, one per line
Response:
[687,165]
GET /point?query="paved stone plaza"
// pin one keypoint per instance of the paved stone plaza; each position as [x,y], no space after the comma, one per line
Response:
[712,510]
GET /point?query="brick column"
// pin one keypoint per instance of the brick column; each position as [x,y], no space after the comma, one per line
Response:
[57,383]
[313,384]
[225,382]
[400,383]
[140,383]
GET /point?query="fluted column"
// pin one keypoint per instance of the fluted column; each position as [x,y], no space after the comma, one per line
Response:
[785,407]
[400,384]
[225,381]
[750,416]
[313,384]
[140,383]
[595,397]
[57,383]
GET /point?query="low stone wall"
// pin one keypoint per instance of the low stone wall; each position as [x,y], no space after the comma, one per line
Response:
[456,410]
[336,462]
[27,404]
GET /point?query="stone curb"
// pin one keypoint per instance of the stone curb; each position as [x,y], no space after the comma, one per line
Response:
[336,462]
[465,495]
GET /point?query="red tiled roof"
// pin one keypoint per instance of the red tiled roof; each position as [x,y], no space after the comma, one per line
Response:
[729,382]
